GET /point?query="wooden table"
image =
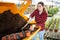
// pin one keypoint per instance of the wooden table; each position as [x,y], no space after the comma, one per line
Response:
[32,35]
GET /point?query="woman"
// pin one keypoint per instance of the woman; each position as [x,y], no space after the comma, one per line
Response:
[40,15]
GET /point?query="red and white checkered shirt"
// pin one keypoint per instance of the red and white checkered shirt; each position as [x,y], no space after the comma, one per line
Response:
[40,18]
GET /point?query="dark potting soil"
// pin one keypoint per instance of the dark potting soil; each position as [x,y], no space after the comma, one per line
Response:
[10,23]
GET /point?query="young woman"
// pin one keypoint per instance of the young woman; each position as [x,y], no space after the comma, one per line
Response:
[40,15]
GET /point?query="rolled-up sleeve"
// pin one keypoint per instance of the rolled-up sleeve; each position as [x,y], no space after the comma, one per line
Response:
[32,14]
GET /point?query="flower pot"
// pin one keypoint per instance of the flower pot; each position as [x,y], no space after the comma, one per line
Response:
[46,29]
[50,30]
[21,35]
[4,38]
[28,33]
[55,30]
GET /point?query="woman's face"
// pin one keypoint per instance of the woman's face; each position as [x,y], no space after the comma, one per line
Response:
[40,7]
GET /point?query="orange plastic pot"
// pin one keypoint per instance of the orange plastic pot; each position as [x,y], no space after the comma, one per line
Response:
[21,35]
[28,33]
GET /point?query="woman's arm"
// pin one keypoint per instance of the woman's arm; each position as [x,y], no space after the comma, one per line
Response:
[32,14]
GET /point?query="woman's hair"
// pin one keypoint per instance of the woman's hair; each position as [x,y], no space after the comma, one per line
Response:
[44,9]
[41,3]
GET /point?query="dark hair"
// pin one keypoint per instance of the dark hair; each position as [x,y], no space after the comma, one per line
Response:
[41,3]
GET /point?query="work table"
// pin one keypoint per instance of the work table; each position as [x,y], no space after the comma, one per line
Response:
[32,35]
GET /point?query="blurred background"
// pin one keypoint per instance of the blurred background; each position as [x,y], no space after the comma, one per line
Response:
[53,6]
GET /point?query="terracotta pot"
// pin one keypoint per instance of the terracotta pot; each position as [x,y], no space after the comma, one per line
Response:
[28,33]
[15,37]
[50,30]
[46,29]
[4,38]
[21,34]
[55,30]
[9,37]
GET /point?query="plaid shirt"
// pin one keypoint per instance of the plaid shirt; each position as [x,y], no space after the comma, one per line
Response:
[39,18]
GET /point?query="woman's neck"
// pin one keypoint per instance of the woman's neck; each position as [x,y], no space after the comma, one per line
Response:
[40,12]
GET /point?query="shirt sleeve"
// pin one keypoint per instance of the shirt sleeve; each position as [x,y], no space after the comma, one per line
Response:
[32,14]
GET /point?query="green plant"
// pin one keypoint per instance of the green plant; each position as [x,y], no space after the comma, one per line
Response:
[50,15]
[57,23]
[52,24]
[52,11]
[49,22]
